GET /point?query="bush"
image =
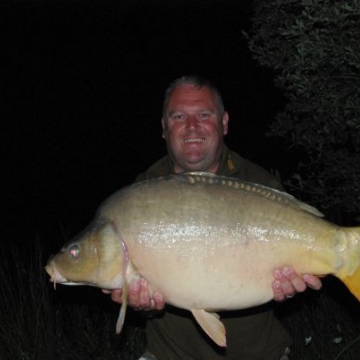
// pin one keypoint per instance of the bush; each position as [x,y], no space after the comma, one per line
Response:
[313,48]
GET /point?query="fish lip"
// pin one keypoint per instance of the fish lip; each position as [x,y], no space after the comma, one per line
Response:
[55,276]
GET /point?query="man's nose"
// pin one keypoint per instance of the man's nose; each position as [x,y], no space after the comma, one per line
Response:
[192,122]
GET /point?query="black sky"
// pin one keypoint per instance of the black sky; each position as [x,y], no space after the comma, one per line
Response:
[83,83]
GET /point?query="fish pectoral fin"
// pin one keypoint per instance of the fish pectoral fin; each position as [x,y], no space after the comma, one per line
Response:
[121,318]
[211,324]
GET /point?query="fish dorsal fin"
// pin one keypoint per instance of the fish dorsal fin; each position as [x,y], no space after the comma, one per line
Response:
[121,318]
[211,324]
[308,208]
[194,177]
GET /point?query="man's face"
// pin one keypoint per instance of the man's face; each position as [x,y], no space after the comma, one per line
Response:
[194,130]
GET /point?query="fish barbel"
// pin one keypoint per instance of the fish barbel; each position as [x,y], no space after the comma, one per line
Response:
[207,243]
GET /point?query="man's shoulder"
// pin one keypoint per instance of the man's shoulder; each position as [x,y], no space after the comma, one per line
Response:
[159,168]
[247,170]
[232,164]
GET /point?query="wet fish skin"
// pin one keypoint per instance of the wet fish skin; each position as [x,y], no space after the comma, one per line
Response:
[207,243]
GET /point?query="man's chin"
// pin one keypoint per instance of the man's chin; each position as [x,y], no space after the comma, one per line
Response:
[199,165]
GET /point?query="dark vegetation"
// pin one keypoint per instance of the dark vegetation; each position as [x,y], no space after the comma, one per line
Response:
[312,48]
[39,323]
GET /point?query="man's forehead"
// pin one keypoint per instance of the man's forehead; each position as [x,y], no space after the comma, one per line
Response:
[195,110]
[191,94]
[193,89]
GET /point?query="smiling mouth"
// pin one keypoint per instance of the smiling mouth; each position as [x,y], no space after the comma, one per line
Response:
[194,141]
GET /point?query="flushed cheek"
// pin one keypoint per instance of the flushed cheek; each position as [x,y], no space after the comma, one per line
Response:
[176,129]
[214,129]
[174,136]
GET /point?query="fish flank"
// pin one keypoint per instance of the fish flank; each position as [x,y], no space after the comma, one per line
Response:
[269,193]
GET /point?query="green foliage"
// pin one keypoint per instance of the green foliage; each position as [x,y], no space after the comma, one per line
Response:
[314,48]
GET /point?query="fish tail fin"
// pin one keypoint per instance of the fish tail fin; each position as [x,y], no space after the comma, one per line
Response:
[352,278]
[353,283]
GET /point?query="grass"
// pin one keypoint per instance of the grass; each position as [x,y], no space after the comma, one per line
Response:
[75,323]
[324,324]
[71,323]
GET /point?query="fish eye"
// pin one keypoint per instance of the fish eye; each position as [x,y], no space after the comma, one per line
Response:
[74,251]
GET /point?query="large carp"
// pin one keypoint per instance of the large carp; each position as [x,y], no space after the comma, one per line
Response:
[207,243]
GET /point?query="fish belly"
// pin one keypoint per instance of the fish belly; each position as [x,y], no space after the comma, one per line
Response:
[234,277]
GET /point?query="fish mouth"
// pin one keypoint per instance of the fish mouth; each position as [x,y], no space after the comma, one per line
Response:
[55,276]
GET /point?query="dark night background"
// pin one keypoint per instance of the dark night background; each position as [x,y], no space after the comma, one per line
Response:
[81,91]
[82,88]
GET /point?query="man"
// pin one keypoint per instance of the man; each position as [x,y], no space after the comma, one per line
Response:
[194,124]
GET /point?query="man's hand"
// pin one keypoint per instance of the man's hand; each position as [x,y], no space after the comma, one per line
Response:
[138,296]
[287,283]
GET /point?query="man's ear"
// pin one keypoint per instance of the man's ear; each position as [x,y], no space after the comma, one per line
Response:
[163,125]
[225,123]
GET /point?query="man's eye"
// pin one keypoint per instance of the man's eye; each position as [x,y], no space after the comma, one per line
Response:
[204,115]
[177,117]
